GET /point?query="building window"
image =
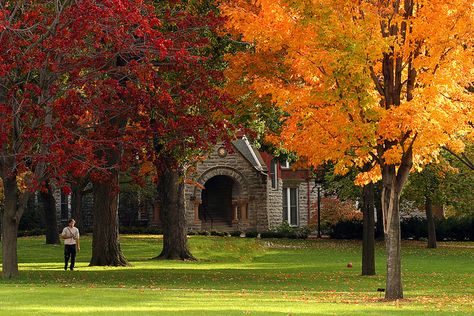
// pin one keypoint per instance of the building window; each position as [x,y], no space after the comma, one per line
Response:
[274,173]
[290,206]
[285,164]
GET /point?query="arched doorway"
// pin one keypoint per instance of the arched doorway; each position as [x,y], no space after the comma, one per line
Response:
[216,201]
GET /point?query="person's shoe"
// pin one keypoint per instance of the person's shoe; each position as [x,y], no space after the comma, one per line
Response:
[72,269]
[65,268]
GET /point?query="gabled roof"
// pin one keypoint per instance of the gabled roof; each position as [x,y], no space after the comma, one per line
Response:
[250,153]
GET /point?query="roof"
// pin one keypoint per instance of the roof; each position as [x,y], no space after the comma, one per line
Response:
[250,153]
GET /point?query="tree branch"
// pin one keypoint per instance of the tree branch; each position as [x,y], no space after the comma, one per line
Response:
[462,158]
[376,80]
[405,166]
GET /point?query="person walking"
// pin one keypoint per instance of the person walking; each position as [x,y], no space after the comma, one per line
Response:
[70,235]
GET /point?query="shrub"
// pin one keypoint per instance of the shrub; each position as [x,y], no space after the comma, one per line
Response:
[31,232]
[346,229]
[271,234]
[216,233]
[455,228]
[286,231]
[449,229]
[414,228]
[140,230]
[251,234]
[334,211]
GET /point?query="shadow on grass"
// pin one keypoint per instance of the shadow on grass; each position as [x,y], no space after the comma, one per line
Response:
[195,277]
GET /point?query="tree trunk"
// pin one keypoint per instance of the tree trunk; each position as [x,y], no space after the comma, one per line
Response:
[13,210]
[430,222]
[368,240]
[1,219]
[50,215]
[2,209]
[106,249]
[393,180]
[77,192]
[391,212]
[379,234]
[394,288]
[390,205]
[172,215]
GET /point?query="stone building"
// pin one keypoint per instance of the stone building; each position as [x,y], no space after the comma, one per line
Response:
[243,189]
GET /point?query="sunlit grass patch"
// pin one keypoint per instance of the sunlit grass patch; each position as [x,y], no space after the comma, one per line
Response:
[239,276]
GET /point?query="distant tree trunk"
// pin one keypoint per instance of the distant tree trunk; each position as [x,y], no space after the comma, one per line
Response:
[368,240]
[430,222]
[2,209]
[172,215]
[77,192]
[379,234]
[106,249]
[14,207]
[50,215]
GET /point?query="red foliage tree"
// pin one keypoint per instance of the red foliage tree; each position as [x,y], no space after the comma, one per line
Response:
[193,116]
[87,87]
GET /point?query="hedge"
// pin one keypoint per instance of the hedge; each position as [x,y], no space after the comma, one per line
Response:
[449,229]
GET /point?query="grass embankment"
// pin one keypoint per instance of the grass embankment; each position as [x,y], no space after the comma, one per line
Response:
[236,276]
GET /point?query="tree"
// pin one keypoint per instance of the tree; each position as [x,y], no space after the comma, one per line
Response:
[61,86]
[425,188]
[26,124]
[50,214]
[448,184]
[1,205]
[458,186]
[368,238]
[78,189]
[373,82]
[193,115]
[345,188]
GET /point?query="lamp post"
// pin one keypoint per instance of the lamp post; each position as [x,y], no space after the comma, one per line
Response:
[318,185]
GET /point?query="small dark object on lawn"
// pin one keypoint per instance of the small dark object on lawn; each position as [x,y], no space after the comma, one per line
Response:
[349,265]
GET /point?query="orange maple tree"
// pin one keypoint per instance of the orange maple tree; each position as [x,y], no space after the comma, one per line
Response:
[376,84]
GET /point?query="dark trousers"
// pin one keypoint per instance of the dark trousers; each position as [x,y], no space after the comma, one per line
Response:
[69,252]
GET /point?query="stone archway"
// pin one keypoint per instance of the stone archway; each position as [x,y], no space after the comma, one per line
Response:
[221,199]
[216,201]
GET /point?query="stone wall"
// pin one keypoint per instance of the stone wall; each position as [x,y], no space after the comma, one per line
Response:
[303,189]
[275,205]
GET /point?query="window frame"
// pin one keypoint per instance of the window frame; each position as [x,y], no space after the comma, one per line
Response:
[286,165]
[274,173]
[287,196]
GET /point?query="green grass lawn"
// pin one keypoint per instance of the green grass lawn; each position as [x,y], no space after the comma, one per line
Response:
[238,276]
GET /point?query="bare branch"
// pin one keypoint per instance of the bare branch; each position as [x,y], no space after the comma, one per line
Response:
[462,158]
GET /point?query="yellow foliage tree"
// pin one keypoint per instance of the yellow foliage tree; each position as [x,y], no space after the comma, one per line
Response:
[365,83]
